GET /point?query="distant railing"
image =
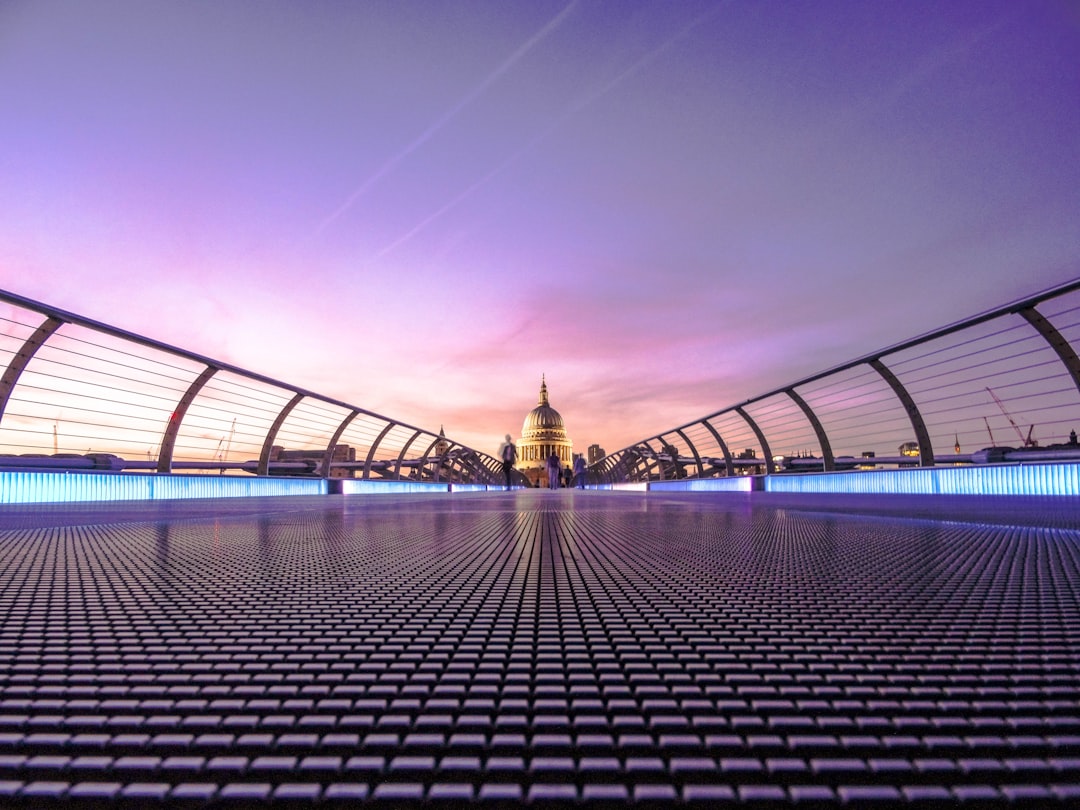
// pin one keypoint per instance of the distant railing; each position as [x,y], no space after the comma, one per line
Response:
[1003,386]
[80,395]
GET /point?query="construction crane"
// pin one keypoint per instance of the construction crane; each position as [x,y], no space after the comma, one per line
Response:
[223,455]
[1025,442]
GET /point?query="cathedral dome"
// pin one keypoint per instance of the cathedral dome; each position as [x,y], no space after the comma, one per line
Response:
[543,418]
[542,434]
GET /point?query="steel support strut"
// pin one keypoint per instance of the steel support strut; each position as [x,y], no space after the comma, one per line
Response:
[828,461]
[723,448]
[22,359]
[172,429]
[375,446]
[328,456]
[1057,341]
[697,457]
[770,467]
[922,436]
[404,450]
[268,443]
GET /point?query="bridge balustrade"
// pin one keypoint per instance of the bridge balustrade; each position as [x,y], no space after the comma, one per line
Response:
[76,394]
[1000,386]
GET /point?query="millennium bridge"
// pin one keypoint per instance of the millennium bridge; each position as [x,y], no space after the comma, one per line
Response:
[222,590]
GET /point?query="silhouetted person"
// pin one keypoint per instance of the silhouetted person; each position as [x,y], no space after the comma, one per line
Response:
[554,469]
[508,454]
[579,472]
[567,476]
[1072,437]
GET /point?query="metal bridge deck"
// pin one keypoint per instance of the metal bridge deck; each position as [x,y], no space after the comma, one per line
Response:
[544,647]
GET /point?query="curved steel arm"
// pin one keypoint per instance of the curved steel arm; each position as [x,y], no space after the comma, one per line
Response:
[770,467]
[328,456]
[373,448]
[828,461]
[23,357]
[620,465]
[268,443]
[611,464]
[466,464]
[603,467]
[491,465]
[424,462]
[1025,308]
[404,450]
[651,461]
[697,458]
[668,449]
[172,429]
[723,448]
[922,436]
[482,472]
[1057,342]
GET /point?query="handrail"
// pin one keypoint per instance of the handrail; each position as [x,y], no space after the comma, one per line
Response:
[121,393]
[898,406]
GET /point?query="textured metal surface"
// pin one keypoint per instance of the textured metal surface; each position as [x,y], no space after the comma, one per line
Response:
[553,647]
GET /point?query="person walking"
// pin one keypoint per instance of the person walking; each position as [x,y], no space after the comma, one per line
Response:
[554,470]
[508,454]
[579,472]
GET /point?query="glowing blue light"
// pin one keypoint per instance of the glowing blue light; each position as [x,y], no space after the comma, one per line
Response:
[740,483]
[991,479]
[74,487]
[362,487]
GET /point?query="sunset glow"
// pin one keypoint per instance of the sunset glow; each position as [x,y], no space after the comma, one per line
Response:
[421,208]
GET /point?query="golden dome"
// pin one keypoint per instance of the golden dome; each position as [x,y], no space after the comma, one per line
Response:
[542,434]
[543,418]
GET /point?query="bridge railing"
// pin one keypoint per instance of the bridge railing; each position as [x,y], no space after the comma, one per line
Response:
[1000,386]
[78,394]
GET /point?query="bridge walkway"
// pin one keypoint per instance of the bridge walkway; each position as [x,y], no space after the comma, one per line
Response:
[551,647]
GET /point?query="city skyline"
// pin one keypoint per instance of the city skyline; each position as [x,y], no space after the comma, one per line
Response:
[664,208]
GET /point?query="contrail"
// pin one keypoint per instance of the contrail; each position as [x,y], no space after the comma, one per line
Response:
[471,96]
[542,134]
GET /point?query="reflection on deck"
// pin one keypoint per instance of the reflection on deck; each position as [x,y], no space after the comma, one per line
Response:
[569,646]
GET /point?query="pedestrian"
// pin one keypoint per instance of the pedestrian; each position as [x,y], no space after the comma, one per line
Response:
[554,468]
[579,472]
[508,455]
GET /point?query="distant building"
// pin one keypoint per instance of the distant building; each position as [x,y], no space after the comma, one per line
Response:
[442,445]
[542,434]
[750,454]
[672,467]
[596,452]
[909,450]
[314,458]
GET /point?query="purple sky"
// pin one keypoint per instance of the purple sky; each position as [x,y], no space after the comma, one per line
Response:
[420,207]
